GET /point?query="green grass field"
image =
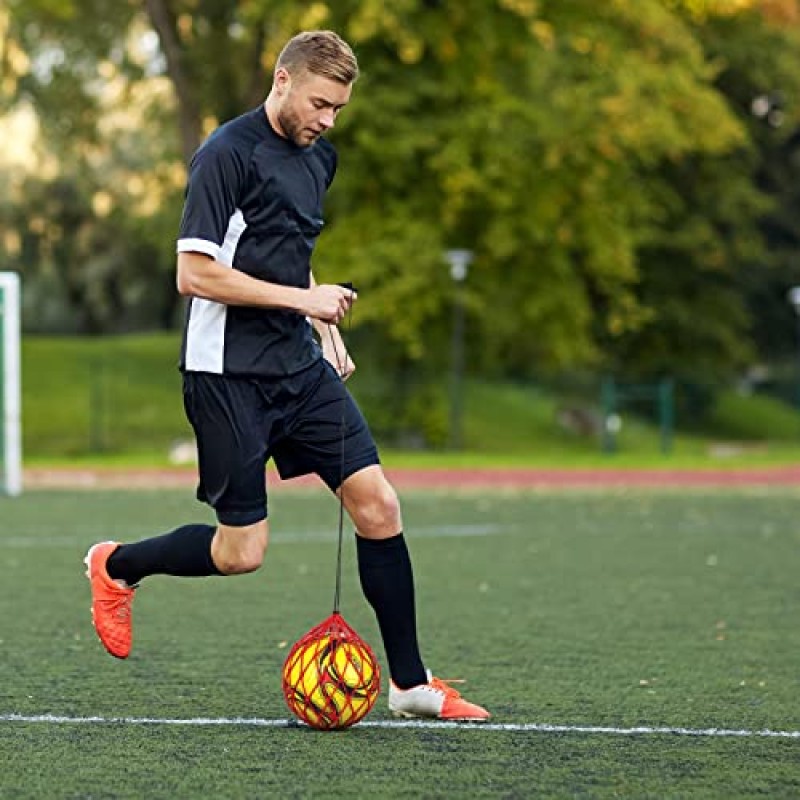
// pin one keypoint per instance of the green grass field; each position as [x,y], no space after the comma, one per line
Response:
[606,610]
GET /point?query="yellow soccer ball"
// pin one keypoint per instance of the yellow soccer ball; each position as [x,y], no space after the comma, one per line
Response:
[331,678]
[349,667]
[303,685]
[350,680]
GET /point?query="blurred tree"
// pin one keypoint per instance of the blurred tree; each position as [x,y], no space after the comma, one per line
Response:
[594,156]
[761,79]
[89,197]
[529,133]
[219,56]
[726,250]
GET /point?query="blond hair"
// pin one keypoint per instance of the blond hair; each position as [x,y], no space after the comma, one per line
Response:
[322,53]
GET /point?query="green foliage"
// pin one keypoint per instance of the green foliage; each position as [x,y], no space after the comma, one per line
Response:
[86,272]
[625,208]
[759,64]
[65,41]
[716,269]
[539,155]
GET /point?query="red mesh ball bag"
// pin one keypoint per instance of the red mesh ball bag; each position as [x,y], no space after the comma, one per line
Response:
[331,678]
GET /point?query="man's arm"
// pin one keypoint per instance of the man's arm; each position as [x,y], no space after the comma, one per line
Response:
[199,275]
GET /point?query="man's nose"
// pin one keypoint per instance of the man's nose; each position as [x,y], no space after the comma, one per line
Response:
[328,118]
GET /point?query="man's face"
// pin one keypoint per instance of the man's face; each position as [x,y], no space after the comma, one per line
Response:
[308,105]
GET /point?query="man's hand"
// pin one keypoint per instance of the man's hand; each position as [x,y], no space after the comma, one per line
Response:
[328,303]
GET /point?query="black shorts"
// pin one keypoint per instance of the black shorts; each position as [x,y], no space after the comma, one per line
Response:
[241,422]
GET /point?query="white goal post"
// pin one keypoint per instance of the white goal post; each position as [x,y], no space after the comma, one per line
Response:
[10,396]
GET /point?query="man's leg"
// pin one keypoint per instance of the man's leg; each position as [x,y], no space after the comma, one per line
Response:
[189,551]
[192,551]
[330,437]
[229,420]
[387,580]
[385,570]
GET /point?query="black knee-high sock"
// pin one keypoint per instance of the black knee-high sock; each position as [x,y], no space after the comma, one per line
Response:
[387,580]
[185,552]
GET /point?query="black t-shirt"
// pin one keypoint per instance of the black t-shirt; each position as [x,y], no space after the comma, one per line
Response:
[253,202]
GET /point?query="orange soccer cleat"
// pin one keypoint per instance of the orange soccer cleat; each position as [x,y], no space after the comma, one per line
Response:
[436,699]
[111,603]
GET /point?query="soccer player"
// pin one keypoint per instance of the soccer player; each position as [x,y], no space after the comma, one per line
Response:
[257,384]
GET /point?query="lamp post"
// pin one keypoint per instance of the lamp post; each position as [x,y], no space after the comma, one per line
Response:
[794,299]
[459,261]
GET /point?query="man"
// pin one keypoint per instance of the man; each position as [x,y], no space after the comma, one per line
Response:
[256,383]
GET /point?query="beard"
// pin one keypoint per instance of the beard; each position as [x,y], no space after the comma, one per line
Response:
[294,129]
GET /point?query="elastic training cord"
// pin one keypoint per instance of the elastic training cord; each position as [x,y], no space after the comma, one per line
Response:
[341,364]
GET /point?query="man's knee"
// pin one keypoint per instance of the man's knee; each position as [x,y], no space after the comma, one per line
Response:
[237,551]
[377,513]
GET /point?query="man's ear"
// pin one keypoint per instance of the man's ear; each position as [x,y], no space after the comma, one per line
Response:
[282,81]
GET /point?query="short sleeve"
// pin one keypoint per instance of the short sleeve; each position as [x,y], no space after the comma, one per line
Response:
[216,176]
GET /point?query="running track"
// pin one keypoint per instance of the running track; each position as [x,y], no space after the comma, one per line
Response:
[505,478]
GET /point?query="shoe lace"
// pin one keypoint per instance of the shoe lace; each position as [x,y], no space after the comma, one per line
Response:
[119,606]
[443,685]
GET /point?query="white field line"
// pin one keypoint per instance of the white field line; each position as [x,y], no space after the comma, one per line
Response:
[32,540]
[529,727]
